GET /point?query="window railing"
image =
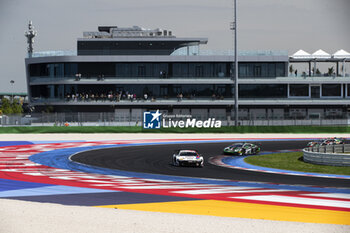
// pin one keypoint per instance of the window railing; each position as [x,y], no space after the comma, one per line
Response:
[180,52]
[306,75]
[184,52]
[187,97]
[54,53]
[164,77]
[113,100]
[112,78]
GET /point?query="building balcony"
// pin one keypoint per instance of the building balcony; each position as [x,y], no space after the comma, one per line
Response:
[131,80]
[195,101]
[187,80]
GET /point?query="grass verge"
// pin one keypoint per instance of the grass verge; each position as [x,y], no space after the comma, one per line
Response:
[294,161]
[139,129]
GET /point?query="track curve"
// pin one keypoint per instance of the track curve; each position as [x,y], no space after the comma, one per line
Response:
[156,159]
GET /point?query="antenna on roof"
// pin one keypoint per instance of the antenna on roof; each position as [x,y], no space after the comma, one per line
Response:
[30,34]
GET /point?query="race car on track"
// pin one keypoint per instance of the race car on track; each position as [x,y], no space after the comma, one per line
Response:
[242,148]
[188,158]
[327,141]
[314,143]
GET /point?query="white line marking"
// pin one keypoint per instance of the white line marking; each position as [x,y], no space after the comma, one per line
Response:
[297,200]
[329,195]
[214,190]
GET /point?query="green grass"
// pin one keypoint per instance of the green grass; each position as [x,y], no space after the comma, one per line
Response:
[139,129]
[293,161]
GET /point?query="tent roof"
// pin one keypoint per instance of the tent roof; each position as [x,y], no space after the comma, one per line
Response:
[341,54]
[321,54]
[301,54]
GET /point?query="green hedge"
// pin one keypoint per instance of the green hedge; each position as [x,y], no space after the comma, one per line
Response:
[138,129]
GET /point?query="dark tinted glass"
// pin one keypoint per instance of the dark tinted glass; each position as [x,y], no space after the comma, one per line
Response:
[331,90]
[299,90]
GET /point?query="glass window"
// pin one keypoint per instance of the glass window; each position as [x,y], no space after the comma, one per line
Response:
[264,69]
[201,70]
[47,69]
[123,70]
[141,71]
[257,70]
[96,69]
[263,90]
[180,69]
[299,90]
[36,70]
[70,69]
[160,70]
[261,69]
[243,70]
[198,71]
[331,90]
[271,70]
[280,70]
[40,91]
[220,70]
[315,92]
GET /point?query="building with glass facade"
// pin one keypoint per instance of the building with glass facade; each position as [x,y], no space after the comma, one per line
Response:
[130,70]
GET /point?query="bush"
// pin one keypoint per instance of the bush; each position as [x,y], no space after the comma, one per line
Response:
[11,108]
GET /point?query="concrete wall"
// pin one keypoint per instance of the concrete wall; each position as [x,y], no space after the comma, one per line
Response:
[328,155]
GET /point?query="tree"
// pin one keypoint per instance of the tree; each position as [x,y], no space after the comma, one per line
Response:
[318,72]
[11,108]
[330,71]
[16,107]
[6,106]
[291,69]
[49,109]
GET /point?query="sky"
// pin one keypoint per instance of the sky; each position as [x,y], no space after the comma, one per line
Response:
[262,25]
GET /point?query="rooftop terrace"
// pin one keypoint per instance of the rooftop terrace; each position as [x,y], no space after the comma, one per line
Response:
[181,52]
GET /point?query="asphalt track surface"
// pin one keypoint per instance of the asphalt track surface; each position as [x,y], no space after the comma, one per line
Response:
[156,159]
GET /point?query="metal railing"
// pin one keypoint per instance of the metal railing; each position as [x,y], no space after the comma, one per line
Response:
[54,53]
[127,117]
[193,51]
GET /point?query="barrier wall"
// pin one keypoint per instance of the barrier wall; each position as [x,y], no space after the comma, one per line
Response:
[335,155]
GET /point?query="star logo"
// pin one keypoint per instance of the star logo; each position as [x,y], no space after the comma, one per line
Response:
[156,115]
[152,120]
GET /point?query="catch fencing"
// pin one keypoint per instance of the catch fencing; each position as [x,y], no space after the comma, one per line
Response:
[118,119]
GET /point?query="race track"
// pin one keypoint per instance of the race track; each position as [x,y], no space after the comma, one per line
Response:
[156,159]
[131,173]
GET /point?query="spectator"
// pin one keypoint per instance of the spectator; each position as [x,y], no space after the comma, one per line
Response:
[181,96]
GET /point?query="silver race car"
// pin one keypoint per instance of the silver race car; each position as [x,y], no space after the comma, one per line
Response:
[188,158]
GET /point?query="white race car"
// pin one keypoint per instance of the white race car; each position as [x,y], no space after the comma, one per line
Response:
[188,158]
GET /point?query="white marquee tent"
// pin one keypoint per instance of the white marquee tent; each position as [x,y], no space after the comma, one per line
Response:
[321,54]
[341,54]
[301,54]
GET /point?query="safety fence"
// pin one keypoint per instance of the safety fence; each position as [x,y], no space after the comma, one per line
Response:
[131,118]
